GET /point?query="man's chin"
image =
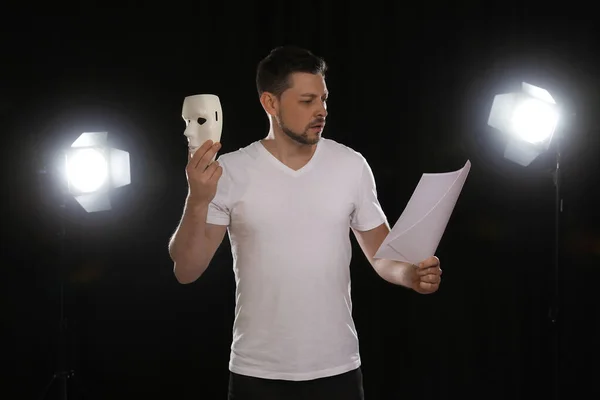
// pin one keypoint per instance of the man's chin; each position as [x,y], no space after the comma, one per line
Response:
[311,140]
[313,137]
[306,139]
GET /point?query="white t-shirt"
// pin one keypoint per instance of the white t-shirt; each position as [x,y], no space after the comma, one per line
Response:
[290,239]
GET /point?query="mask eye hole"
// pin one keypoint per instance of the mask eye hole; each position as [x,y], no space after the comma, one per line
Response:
[201,120]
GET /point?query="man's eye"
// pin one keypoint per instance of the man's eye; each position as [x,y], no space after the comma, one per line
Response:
[307,101]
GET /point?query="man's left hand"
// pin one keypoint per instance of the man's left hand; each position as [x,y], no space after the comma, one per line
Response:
[427,276]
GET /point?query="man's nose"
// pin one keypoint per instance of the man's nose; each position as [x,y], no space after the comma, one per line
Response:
[322,112]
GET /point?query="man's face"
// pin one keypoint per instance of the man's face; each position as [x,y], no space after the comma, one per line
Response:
[303,108]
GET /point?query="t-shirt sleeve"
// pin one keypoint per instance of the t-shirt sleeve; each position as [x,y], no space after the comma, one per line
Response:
[219,208]
[367,213]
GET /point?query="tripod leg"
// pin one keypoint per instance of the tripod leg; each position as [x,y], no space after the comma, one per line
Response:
[45,391]
[63,387]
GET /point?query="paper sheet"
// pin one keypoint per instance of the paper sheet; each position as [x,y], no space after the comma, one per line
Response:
[417,233]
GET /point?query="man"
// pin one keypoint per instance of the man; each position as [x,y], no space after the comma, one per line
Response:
[288,202]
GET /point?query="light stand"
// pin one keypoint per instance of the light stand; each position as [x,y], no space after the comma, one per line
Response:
[530,117]
[92,169]
[555,302]
[62,374]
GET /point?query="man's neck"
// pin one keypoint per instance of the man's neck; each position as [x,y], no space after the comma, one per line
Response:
[287,150]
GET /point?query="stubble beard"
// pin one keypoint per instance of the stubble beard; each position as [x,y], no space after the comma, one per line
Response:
[301,138]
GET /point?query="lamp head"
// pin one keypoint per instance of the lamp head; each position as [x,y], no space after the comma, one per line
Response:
[529,118]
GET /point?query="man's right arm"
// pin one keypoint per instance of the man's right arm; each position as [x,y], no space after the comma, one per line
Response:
[194,243]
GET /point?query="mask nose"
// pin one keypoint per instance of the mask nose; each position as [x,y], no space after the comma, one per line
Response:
[190,129]
[193,125]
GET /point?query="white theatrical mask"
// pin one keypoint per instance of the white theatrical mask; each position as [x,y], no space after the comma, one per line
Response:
[203,119]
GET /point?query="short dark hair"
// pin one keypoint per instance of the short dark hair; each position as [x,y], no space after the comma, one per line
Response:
[273,71]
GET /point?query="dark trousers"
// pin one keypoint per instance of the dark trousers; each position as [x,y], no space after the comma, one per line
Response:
[346,386]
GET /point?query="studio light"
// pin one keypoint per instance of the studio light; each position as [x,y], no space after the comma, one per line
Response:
[529,118]
[89,170]
[92,170]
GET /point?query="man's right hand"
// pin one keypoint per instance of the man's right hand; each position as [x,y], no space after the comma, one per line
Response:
[202,175]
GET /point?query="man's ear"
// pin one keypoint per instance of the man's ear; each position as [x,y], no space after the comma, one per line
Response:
[270,103]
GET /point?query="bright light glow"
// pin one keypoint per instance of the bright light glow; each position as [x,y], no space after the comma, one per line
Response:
[94,170]
[529,118]
[534,120]
[87,170]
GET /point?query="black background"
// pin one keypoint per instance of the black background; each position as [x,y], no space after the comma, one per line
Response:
[411,88]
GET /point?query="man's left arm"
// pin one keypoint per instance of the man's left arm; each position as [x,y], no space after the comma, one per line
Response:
[424,278]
